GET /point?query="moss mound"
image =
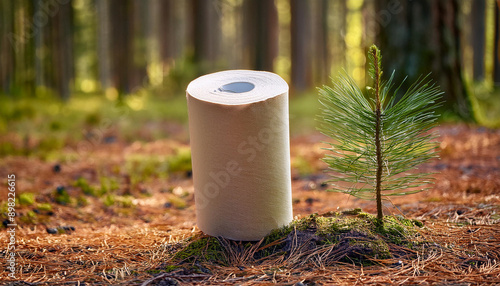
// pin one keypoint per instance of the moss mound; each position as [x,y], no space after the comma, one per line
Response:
[201,248]
[352,237]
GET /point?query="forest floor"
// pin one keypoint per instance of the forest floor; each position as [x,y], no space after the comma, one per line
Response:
[114,212]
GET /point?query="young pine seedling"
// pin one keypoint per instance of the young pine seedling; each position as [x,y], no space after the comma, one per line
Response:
[378,140]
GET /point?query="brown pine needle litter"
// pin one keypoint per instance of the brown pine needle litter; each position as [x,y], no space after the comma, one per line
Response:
[146,241]
[453,254]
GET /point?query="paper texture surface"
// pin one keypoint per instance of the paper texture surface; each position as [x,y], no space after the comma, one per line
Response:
[240,150]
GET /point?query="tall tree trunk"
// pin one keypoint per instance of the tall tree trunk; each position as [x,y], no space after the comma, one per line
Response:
[338,31]
[261,33]
[205,34]
[321,45]
[496,58]
[478,36]
[6,48]
[22,40]
[121,45]
[300,43]
[155,70]
[423,36]
[165,30]
[139,51]
[39,48]
[201,30]
[103,43]
[63,49]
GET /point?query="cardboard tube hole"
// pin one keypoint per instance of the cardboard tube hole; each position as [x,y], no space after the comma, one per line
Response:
[237,87]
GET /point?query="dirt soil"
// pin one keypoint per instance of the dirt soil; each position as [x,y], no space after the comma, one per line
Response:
[128,238]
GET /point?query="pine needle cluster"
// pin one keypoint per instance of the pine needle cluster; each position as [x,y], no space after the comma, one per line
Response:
[378,140]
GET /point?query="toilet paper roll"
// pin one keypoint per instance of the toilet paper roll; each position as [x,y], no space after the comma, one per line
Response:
[240,150]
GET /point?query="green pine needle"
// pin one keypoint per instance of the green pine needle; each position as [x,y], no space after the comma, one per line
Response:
[378,141]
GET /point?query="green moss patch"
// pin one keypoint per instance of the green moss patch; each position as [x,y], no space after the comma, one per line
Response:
[180,161]
[201,248]
[89,190]
[46,207]
[61,196]
[26,199]
[352,237]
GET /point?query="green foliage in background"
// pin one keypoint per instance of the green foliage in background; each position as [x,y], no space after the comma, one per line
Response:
[42,127]
[376,140]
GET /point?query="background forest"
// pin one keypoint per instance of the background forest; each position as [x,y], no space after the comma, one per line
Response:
[66,48]
[93,124]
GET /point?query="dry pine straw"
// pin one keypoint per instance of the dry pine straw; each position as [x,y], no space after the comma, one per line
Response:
[126,256]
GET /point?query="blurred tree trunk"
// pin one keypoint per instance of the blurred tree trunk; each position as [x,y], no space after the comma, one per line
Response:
[477,38]
[338,27]
[139,53]
[63,49]
[496,57]
[153,36]
[300,44]
[166,31]
[22,41]
[321,45]
[422,36]
[205,34]
[121,45]
[261,33]
[103,43]
[39,48]
[6,48]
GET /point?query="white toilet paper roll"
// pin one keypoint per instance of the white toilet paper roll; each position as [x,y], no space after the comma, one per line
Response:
[240,148]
